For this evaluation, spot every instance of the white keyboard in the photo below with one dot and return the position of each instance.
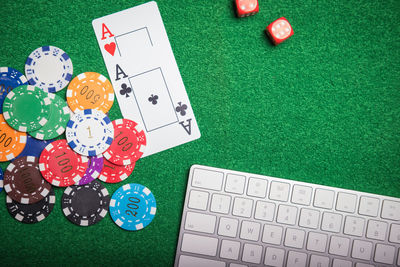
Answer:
(237, 219)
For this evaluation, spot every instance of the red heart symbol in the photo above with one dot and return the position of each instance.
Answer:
(110, 48)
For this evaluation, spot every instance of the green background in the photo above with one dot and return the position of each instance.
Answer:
(323, 107)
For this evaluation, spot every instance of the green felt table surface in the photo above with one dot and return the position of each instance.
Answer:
(323, 107)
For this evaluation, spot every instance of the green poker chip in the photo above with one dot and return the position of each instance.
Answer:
(26, 108)
(59, 117)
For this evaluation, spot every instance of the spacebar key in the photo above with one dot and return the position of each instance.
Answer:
(188, 261)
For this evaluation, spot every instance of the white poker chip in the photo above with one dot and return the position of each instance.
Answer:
(89, 132)
(49, 68)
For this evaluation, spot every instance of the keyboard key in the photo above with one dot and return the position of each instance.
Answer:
(369, 206)
(319, 261)
(242, 207)
(354, 226)
(324, 198)
(287, 214)
(272, 234)
(296, 259)
(391, 210)
(189, 261)
(341, 263)
(346, 202)
(394, 235)
(362, 250)
(331, 222)
(264, 211)
(301, 195)
(250, 231)
(235, 184)
(257, 187)
(384, 254)
(200, 222)
(398, 259)
(339, 246)
(358, 264)
(220, 203)
(230, 249)
(294, 238)
(252, 253)
(198, 200)
(199, 244)
(317, 242)
(279, 191)
(376, 230)
(309, 218)
(228, 227)
(207, 179)
(236, 265)
(274, 257)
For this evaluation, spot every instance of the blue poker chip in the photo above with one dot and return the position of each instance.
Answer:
(34, 147)
(9, 79)
(49, 68)
(1, 179)
(133, 207)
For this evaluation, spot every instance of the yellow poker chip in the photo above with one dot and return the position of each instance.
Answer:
(90, 90)
(12, 142)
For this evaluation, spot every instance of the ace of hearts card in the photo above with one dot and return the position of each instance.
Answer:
(145, 76)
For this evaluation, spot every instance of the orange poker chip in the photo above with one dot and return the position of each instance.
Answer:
(90, 90)
(12, 142)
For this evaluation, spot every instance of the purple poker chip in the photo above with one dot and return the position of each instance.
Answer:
(95, 165)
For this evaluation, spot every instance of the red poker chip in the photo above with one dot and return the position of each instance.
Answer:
(112, 173)
(129, 143)
(60, 165)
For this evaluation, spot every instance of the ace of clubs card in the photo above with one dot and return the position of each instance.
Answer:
(145, 76)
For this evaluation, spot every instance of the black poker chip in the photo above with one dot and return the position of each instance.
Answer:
(31, 213)
(85, 205)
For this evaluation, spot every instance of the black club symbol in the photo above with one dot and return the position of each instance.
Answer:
(153, 99)
(181, 108)
(125, 90)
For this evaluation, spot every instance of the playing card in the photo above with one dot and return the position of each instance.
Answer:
(145, 76)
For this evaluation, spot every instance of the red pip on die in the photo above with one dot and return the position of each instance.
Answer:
(246, 8)
(279, 30)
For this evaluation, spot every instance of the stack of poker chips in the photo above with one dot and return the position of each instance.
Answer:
(71, 144)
